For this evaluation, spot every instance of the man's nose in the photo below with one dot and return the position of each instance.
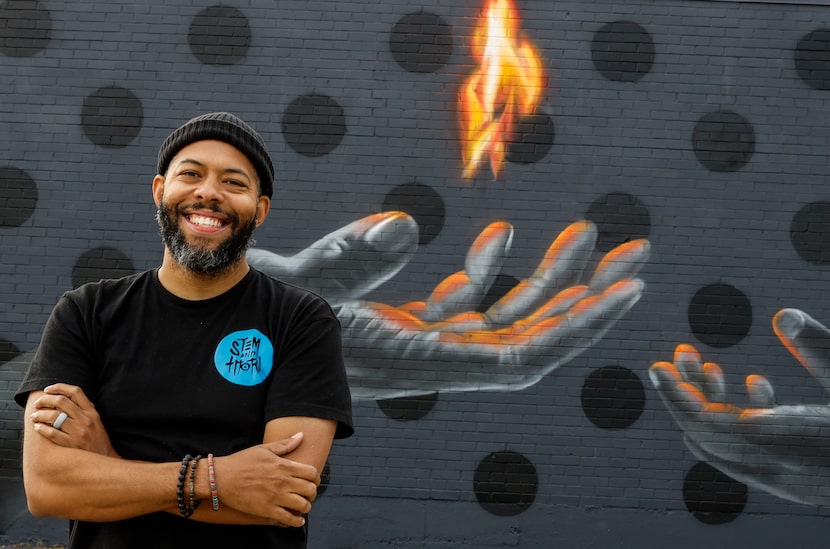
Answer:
(209, 188)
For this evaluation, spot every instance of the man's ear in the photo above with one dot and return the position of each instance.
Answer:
(263, 206)
(158, 189)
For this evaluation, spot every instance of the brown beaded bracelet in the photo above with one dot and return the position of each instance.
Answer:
(214, 495)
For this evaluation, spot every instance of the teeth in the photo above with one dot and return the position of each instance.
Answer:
(203, 221)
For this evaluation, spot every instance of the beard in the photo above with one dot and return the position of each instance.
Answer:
(203, 258)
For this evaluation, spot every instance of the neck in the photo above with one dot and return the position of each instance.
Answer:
(194, 286)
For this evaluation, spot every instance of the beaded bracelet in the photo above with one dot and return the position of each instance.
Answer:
(183, 509)
(214, 495)
(194, 503)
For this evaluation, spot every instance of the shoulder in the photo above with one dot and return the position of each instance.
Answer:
(109, 288)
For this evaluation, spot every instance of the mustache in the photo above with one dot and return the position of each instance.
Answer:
(181, 209)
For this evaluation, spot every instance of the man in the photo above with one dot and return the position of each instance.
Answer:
(202, 381)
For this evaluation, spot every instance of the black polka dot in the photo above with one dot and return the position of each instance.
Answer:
(112, 117)
(619, 218)
(8, 350)
(98, 263)
(500, 288)
(613, 397)
(531, 140)
(421, 42)
(408, 408)
(314, 125)
(423, 204)
(810, 233)
(505, 483)
(713, 497)
(622, 51)
(812, 59)
(25, 27)
(720, 315)
(219, 35)
(723, 141)
(18, 197)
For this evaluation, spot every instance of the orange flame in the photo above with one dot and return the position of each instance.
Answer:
(506, 86)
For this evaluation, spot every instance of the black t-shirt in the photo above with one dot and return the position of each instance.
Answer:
(171, 377)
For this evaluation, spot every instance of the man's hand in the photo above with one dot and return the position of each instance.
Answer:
(442, 343)
(783, 450)
(82, 429)
(258, 482)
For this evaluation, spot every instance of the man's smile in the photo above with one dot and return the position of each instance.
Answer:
(205, 221)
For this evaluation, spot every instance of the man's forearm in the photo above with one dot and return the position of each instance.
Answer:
(81, 485)
(64, 477)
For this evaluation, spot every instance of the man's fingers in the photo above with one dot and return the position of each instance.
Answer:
(61, 403)
(286, 519)
(55, 436)
(286, 445)
(71, 392)
(49, 416)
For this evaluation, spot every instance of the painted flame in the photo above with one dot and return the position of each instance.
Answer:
(506, 86)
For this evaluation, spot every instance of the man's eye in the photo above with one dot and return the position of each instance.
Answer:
(236, 183)
(190, 173)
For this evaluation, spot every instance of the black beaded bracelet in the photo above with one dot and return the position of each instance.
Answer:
(194, 503)
(183, 509)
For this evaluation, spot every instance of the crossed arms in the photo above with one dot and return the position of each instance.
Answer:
(75, 473)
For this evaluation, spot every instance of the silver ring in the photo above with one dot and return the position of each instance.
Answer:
(59, 422)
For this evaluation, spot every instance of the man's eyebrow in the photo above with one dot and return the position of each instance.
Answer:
(226, 170)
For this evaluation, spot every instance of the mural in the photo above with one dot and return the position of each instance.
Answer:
(685, 180)
(441, 344)
(782, 449)
(505, 87)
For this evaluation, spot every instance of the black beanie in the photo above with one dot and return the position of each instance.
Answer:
(221, 126)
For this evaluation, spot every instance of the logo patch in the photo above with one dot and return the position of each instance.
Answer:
(244, 357)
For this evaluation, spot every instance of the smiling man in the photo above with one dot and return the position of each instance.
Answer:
(185, 162)
(201, 381)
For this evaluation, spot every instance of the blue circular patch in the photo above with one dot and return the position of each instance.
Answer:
(244, 357)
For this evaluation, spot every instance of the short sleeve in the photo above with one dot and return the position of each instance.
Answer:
(310, 376)
(64, 354)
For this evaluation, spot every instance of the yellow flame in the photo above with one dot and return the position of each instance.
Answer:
(506, 86)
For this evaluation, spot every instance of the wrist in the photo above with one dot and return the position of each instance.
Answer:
(202, 482)
(186, 496)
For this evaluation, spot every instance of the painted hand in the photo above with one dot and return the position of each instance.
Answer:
(350, 262)
(783, 450)
(442, 343)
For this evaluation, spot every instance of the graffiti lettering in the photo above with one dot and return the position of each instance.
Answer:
(244, 356)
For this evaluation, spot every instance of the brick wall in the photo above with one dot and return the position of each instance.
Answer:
(702, 126)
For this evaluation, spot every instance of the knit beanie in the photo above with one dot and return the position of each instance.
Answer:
(221, 126)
